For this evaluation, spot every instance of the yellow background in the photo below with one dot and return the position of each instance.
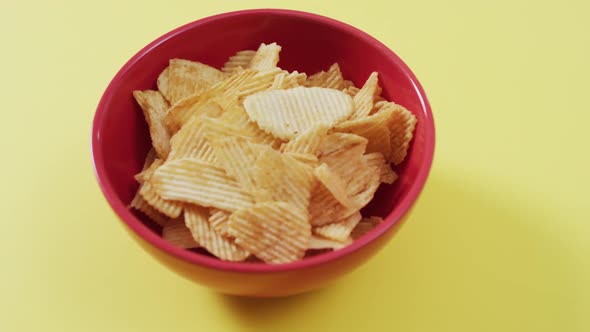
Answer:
(500, 240)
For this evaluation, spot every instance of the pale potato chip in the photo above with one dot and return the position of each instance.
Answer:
(324, 208)
(401, 127)
(377, 160)
(229, 88)
(216, 129)
(286, 113)
(279, 177)
(147, 191)
(151, 156)
(218, 220)
(196, 219)
(190, 140)
(331, 79)
(260, 82)
(186, 78)
(286, 80)
(238, 156)
(364, 226)
(308, 141)
(364, 99)
(375, 128)
(155, 108)
(198, 182)
(339, 230)
(142, 206)
(266, 57)
(238, 117)
(305, 158)
(276, 232)
(318, 242)
(176, 232)
(163, 82)
(239, 61)
(351, 90)
(334, 184)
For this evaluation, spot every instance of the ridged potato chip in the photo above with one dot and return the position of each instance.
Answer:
(139, 204)
(260, 82)
(318, 242)
(375, 128)
(155, 108)
(305, 158)
(186, 78)
(308, 141)
(238, 156)
(218, 220)
(276, 232)
(401, 127)
(266, 57)
(239, 61)
(377, 160)
(331, 79)
(238, 117)
(194, 181)
(147, 191)
(286, 113)
(285, 80)
(364, 99)
(335, 185)
(163, 82)
(176, 232)
(339, 230)
(196, 219)
(364, 226)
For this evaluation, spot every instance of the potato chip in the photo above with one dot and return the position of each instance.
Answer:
(218, 220)
(259, 82)
(365, 226)
(266, 57)
(286, 80)
(194, 181)
(286, 113)
(238, 156)
(176, 232)
(229, 88)
(154, 108)
(190, 140)
(186, 78)
(279, 177)
(238, 117)
(196, 219)
(148, 193)
(351, 90)
(239, 61)
(375, 128)
(364, 99)
(331, 79)
(142, 206)
(308, 141)
(163, 82)
(401, 126)
(339, 230)
(276, 232)
(324, 208)
(318, 242)
(377, 160)
(149, 160)
(334, 184)
(305, 158)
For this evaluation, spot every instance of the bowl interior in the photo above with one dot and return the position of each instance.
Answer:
(309, 43)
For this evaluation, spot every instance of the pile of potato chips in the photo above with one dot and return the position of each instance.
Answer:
(252, 162)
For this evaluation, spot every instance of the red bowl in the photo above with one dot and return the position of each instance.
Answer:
(310, 43)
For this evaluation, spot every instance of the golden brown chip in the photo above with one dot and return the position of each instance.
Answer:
(194, 181)
(286, 113)
(186, 78)
(286, 80)
(238, 156)
(147, 191)
(375, 128)
(266, 57)
(163, 82)
(335, 185)
(196, 219)
(190, 140)
(351, 90)
(331, 79)
(155, 108)
(229, 89)
(218, 220)
(280, 177)
(305, 158)
(149, 160)
(276, 232)
(339, 230)
(364, 226)
(176, 232)
(142, 206)
(386, 174)
(318, 242)
(238, 117)
(259, 82)
(239, 61)
(364, 99)
(401, 127)
(308, 141)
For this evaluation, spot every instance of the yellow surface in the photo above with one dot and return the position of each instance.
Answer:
(500, 240)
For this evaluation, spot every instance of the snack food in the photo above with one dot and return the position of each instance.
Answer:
(256, 163)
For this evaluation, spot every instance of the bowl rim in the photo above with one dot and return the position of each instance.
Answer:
(125, 215)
